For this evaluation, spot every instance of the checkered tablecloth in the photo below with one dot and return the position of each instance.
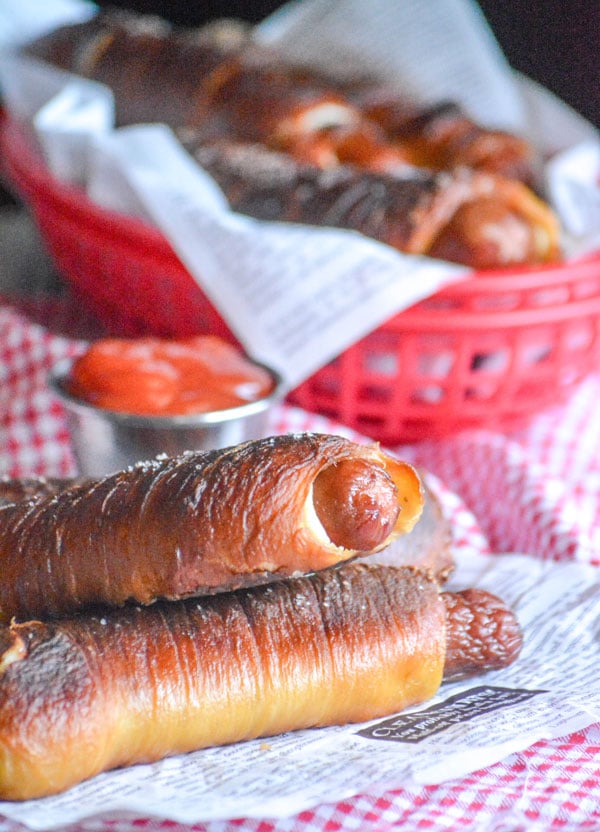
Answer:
(535, 491)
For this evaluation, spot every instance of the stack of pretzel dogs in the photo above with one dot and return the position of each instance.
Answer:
(221, 596)
(288, 143)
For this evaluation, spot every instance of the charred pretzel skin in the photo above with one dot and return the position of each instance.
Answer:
(83, 695)
(22, 489)
(203, 522)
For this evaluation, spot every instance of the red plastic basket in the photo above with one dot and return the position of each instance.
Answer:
(490, 351)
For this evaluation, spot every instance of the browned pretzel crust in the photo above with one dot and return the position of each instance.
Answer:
(83, 695)
(217, 80)
(205, 522)
(461, 215)
(460, 192)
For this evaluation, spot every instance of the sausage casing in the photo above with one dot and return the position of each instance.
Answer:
(86, 694)
(482, 633)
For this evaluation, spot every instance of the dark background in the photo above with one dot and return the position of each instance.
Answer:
(555, 42)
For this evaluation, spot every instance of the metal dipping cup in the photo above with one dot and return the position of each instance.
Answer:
(105, 441)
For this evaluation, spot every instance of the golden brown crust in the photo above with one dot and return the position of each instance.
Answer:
(137, 684)
(504, 225)
(175, 527)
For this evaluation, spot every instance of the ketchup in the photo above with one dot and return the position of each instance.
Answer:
(156, 377)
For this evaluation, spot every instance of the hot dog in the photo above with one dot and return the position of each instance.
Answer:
(206, 522)
(481, 633)
(469, 217)
(218, 80)
(83, 695)
(220, 86)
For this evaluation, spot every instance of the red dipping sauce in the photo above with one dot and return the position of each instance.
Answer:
(156, 377)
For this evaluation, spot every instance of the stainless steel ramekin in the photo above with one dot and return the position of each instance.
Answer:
(105, 440)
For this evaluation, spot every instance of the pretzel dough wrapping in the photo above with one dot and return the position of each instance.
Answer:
(443, 136)
(217, 80)
(21, 489)
(215, 85)
(464, 216)
(83, 695)
(428, 546)
(203, 522)
(154, 69)
(214, 78)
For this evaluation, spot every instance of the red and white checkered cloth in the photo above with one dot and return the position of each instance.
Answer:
(535, 491)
